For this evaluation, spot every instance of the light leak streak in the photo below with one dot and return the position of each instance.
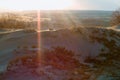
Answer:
(38, 18)
(38, 36)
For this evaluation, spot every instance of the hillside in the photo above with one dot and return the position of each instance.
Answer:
(66, 54)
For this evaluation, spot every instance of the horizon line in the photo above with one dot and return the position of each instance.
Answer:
(8, 10)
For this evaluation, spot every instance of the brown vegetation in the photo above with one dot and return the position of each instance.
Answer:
(59, 58)
(115, 17)
(15, 21)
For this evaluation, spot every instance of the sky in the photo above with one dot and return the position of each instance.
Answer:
(60, 4)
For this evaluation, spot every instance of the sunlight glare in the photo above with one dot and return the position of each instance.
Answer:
(37, 4)
(54, 4)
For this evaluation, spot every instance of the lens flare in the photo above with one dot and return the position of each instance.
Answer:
(38, 36)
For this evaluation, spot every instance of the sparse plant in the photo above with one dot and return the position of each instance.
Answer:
(34, 46)
(115, 17)
(25, 47)
(59, 58)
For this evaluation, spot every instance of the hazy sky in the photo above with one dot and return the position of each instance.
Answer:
(60, 4)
